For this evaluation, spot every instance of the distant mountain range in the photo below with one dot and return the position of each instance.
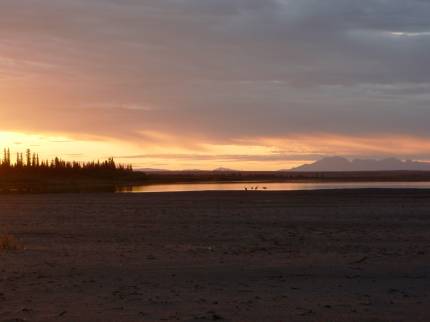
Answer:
(224, 170)
(343, 164)
(151, 170)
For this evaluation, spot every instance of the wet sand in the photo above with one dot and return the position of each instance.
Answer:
(358, 255)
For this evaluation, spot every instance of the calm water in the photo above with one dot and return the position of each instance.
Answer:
(271, 186)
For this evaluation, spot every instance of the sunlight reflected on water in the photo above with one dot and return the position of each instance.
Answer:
(272, 186)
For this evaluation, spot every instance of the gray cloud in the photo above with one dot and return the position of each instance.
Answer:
(222, 69)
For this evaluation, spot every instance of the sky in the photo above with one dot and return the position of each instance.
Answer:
(201, 84)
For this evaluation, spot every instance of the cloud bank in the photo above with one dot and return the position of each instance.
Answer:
(216, 70)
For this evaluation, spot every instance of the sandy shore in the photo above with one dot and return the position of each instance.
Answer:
(227, 256)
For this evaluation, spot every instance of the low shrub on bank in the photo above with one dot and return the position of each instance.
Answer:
(9, 243)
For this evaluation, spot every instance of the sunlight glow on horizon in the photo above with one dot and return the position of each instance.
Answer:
(256, 154)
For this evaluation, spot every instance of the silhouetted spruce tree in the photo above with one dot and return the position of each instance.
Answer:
(33, 165)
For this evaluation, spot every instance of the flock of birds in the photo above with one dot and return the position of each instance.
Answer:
(255, 188)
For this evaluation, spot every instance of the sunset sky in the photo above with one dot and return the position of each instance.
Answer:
(244, 84)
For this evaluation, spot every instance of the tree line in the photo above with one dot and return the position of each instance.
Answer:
(31, 163)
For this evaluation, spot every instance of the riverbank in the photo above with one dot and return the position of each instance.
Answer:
(355, 255)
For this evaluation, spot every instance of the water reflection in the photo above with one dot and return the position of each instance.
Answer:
(273, 186)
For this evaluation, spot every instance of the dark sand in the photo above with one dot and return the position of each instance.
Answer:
(227, 256)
